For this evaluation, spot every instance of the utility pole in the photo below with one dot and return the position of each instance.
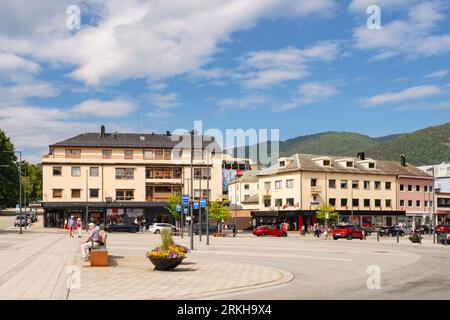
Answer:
(207, 197)
(433, 215)
(87, 198)
(200, 230)
(191, 203)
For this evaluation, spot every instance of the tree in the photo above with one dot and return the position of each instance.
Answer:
(31, 182)
(332, 214)
(173, 201)
(9, 174)
(219, 211)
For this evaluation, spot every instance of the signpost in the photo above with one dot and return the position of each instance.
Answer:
(196, 205)
(202, 203)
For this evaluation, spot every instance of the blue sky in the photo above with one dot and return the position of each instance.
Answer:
(298, 66)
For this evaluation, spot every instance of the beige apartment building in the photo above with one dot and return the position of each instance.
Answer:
(366, 189)
(110, 177)
(243, 192)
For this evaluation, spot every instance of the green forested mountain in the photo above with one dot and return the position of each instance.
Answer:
(425, 146)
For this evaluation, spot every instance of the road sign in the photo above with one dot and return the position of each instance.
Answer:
(203, 203)
(178, 208)
(196, 205)
(185, 200)
(185, 210)
(188, 218)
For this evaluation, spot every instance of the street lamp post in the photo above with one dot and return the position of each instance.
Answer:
(20, 187)
(207, 197)
(191, 203)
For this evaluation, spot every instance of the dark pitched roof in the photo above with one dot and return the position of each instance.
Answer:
(136, 140)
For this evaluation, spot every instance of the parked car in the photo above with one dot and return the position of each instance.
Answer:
(269, 230)
(122, 227)
(442, 228)
(392, 231)
(347, 231)
(158, 227)
(23, 219)
(425, 228)
(212, 228)
(382, 231)
(32, 216)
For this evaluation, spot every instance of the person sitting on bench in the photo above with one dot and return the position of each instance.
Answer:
(92, 241)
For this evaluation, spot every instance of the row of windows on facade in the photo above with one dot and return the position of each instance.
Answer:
(355, 202)
(128, 194)
(344, 185)
(128, 173)
(152, 154)
(331, 202)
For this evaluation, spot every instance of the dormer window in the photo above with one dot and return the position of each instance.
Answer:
(282, 163)
(371, 165)
(349, 164)
(326, 163)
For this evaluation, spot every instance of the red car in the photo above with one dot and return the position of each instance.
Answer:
(442, 228)
(347, 231)
(269, 230)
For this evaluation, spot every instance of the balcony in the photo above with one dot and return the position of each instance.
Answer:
(316, 190)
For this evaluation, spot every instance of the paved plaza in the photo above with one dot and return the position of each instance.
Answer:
(37, 265)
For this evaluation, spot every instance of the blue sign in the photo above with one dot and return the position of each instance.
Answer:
(203, 203)
(185, 200)
(178, 208)
(185, 210)
(196, 205)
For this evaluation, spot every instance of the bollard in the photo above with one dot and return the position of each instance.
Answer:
(420, 237)
(378, 236)
(445, 241)
(398, 236)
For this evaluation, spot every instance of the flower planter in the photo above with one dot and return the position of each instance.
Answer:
(414, 239)
(165, 264)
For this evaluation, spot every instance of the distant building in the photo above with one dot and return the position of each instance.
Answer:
(243, 192)
(441, 174)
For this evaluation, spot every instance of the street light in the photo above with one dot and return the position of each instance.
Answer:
(20, 186)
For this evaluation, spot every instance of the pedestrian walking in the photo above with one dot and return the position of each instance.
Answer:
(72, 225)
(79, 227)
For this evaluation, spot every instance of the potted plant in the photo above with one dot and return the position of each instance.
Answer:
(414, 237)
(168, 255)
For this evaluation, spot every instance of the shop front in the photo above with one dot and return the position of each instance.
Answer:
(104, 213)
(296, 219)
(367, 218)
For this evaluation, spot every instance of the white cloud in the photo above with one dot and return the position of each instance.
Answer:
(412, 37)
(360, 6)
(437, 74)
(413, 93)
(180, 35)
(309, 93)
(13, 63)
(164, 101)
(110, 109)
(265, 68)
(424, 106)
(243, 103)
(25, 88)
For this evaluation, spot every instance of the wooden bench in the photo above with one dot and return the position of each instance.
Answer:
(99, 255)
